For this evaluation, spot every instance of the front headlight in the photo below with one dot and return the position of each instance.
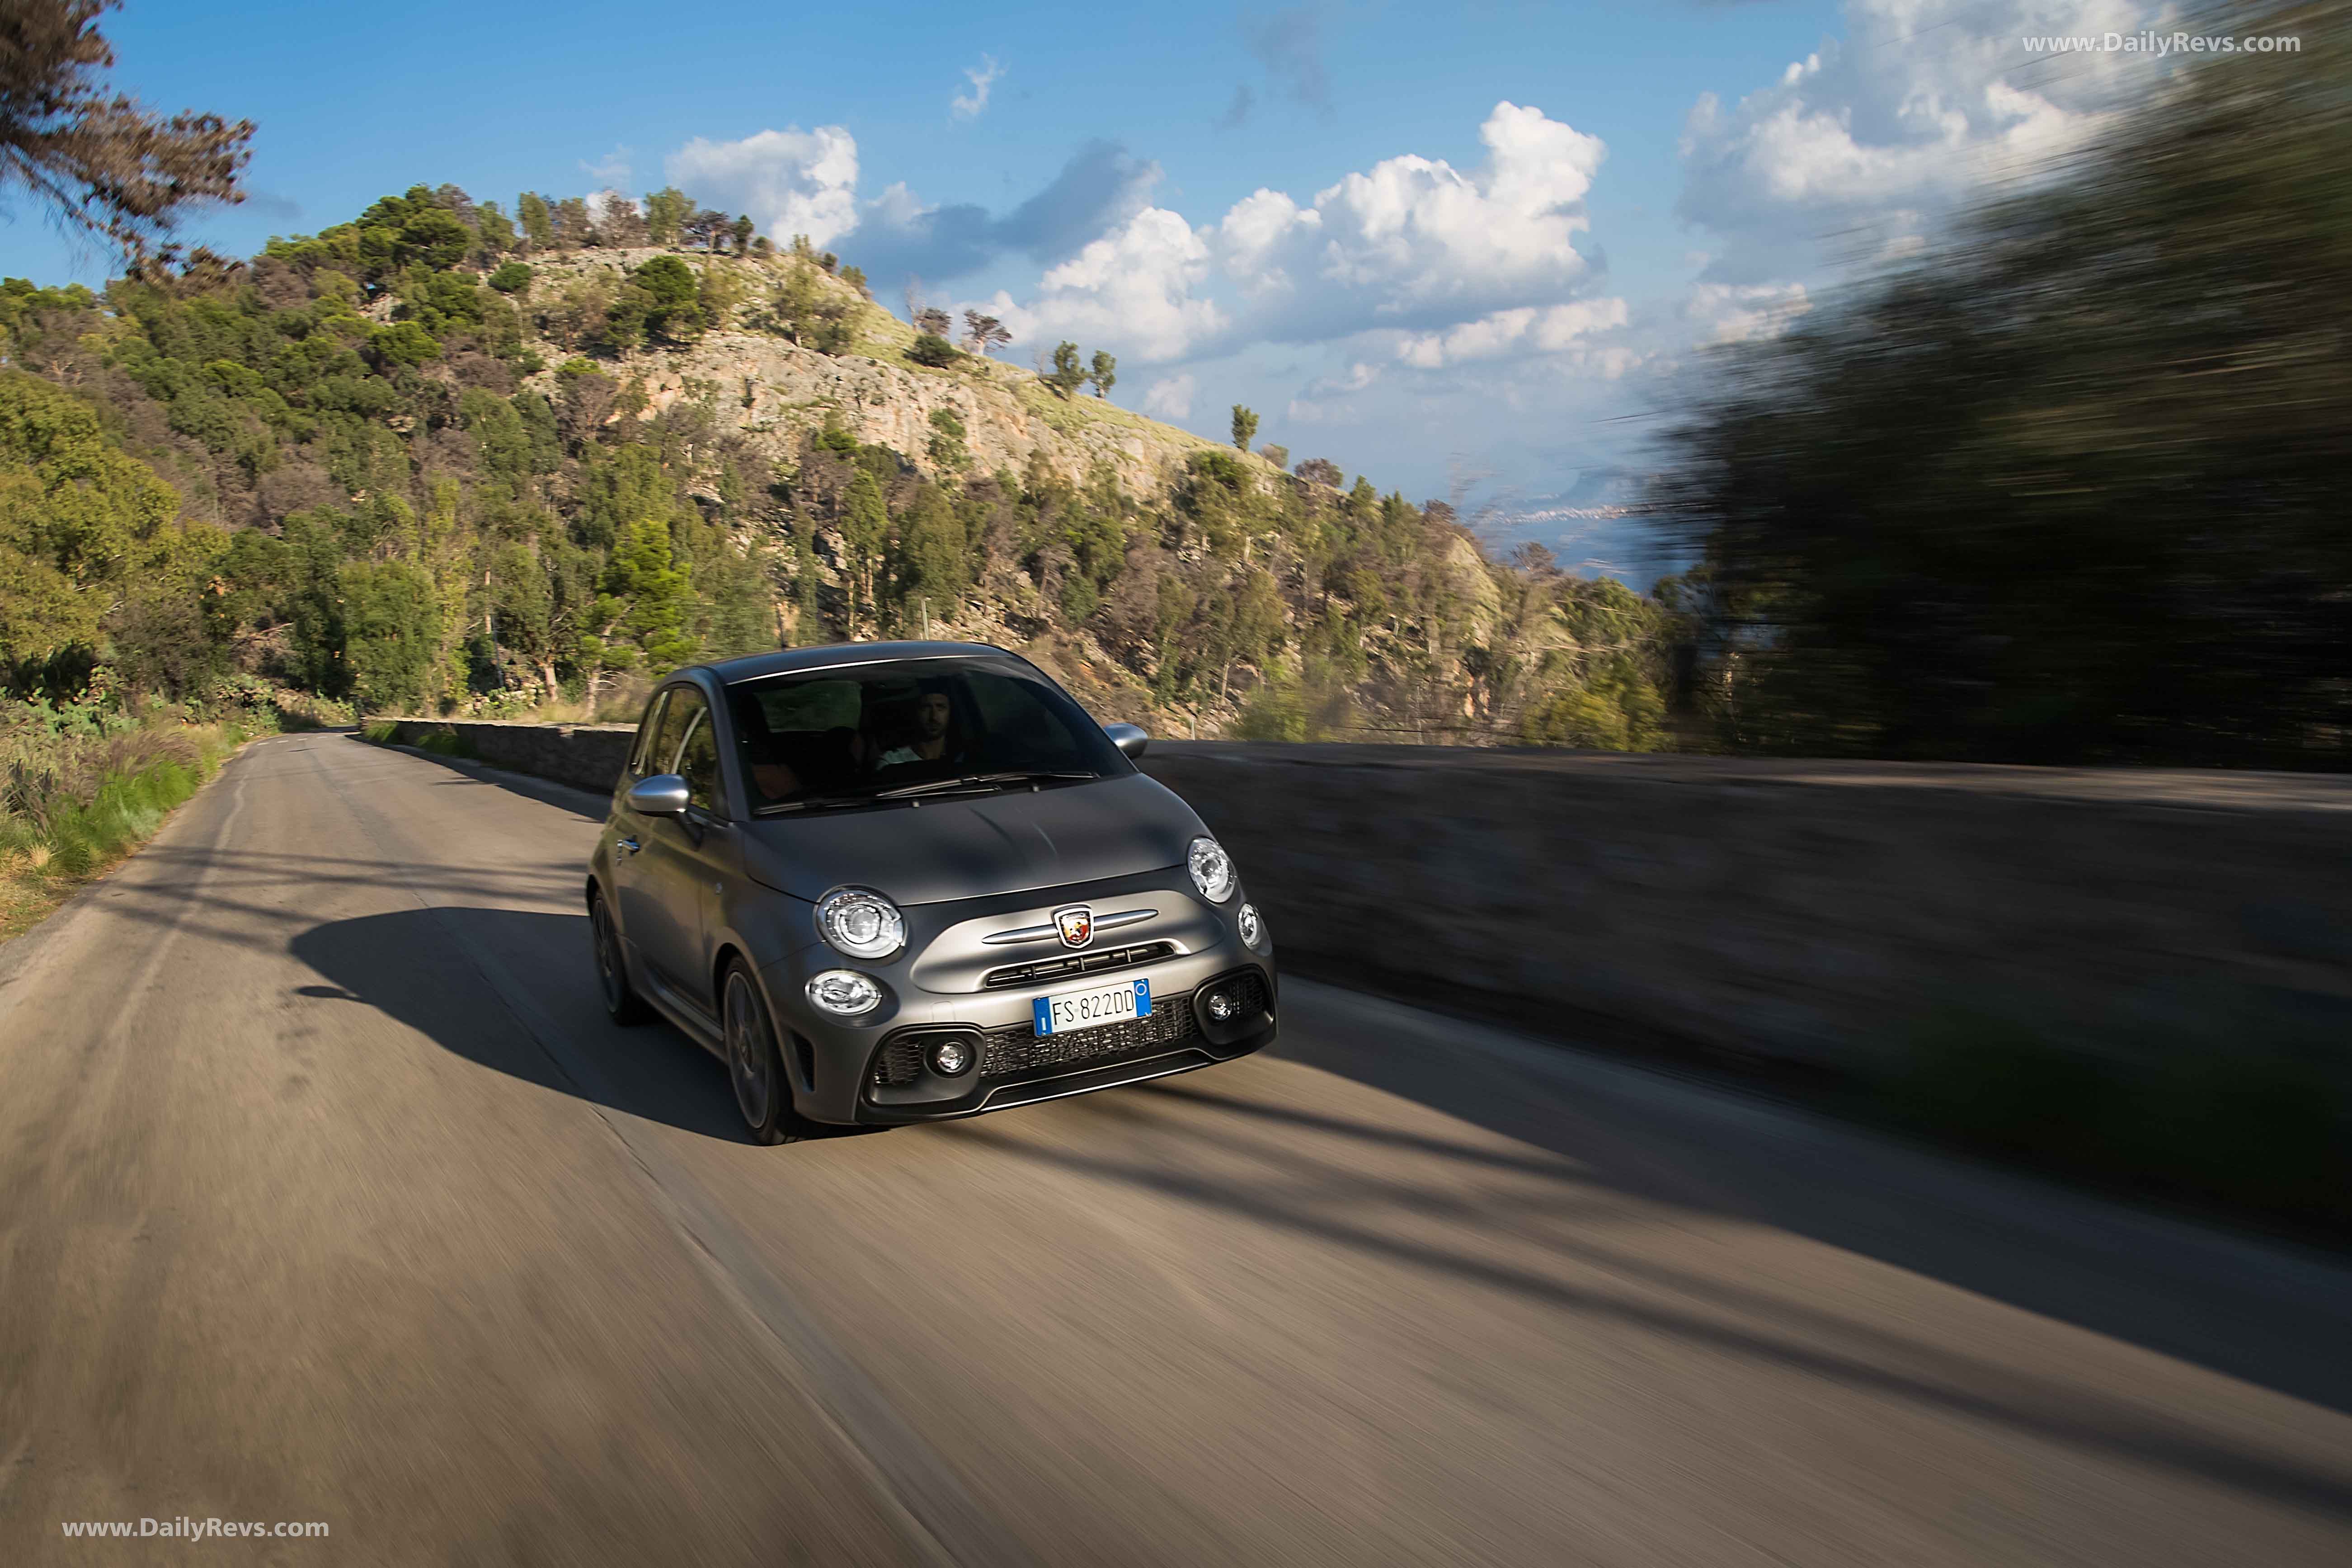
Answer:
(1211, 869)
(861, 922)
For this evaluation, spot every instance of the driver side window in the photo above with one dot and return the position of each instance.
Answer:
(697, 762)
(641, 756)
(683, 706)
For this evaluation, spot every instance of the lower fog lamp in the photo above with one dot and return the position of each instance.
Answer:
(951, 1055)
(844, 992)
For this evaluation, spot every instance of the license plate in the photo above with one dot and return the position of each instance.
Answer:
(1063, 1012)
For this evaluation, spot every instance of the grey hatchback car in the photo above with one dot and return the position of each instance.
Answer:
(893, 882)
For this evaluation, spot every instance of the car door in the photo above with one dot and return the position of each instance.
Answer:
(684, 861)
(646, 919)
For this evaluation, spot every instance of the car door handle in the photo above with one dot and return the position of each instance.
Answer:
(628, 846)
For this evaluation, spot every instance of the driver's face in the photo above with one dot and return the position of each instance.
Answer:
(932, 715)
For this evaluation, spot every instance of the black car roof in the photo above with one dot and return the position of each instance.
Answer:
(753, 667)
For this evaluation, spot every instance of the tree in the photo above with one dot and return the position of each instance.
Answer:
(82, 522)
(674, 310)
(1278, 455)
(983, 333)
(742, 231)
(391, 632)
(1104, 373)
(103, 165)
(1068, 375)
(1244, 427)
(511, 278)
(667, 211)
(1319, 471)
(537, 223)
(931, 319)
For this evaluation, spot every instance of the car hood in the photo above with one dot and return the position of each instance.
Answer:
(965, 847)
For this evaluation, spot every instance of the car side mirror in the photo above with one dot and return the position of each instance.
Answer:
(662, 794)
(1130, 739)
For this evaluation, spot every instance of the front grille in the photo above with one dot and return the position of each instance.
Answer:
(1018, 1048)
(1078, 963)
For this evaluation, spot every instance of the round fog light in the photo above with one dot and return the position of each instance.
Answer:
(1222, 1005)
(951, 1056)
(844, 992)
(1251, 926)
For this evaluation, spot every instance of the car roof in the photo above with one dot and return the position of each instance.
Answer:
(753, 667)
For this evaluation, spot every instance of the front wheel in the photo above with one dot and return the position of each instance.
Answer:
(756, 1066)
(621, 998)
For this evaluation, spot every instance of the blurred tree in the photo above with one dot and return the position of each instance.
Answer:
(931, 319)
(102, 164)
(2068, 489)
(667, 211)
(982, 334)
(1319, 471)
(1104, 373)
(929, 349)
(742, 234)
(1244, 427)
(1068, 375)
(537, 223)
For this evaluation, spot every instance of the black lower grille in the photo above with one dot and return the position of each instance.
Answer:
(1249, 990)
(899, 1063)
(1078, 963)
(1018, 1048)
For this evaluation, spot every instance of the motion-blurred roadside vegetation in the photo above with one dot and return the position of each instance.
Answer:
(83, 784)
(2068, 487)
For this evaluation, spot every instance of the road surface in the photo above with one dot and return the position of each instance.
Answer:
(330, 1194)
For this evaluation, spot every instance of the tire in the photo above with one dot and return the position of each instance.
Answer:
(754, 1065)
(621, 998)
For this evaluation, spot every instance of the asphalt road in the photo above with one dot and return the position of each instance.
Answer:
(328, 1194)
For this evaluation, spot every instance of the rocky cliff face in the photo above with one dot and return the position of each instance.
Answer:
(773, 391)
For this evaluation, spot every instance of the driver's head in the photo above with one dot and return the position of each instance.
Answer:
(933, 710)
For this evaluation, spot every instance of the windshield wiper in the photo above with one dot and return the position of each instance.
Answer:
(981, 781)
(818, 803)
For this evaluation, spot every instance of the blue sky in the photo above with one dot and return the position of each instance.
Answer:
(1537, 216)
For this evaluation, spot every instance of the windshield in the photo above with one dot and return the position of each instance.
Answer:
(875, 731)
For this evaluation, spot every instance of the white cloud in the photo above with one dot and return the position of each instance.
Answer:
(1415, 241)
(1171, 397)
(1516, 330)
(1858, 147)
(1411, 244)
(790, 181)
(1133, 287)
(1739, 313)
(610, 172)
(984, 76)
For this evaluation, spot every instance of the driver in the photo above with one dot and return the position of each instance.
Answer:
(934, 727)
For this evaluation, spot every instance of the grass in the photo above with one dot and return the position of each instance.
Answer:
(441, 740)
(79, 792)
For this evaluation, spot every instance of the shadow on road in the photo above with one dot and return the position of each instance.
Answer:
(420, 966)
(584, 803)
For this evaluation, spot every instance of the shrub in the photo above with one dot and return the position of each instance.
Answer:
(514, 277)
(934, 351)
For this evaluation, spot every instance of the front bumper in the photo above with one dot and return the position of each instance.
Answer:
(875, 1070)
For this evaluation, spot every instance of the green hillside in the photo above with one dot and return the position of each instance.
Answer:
(440, 460)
